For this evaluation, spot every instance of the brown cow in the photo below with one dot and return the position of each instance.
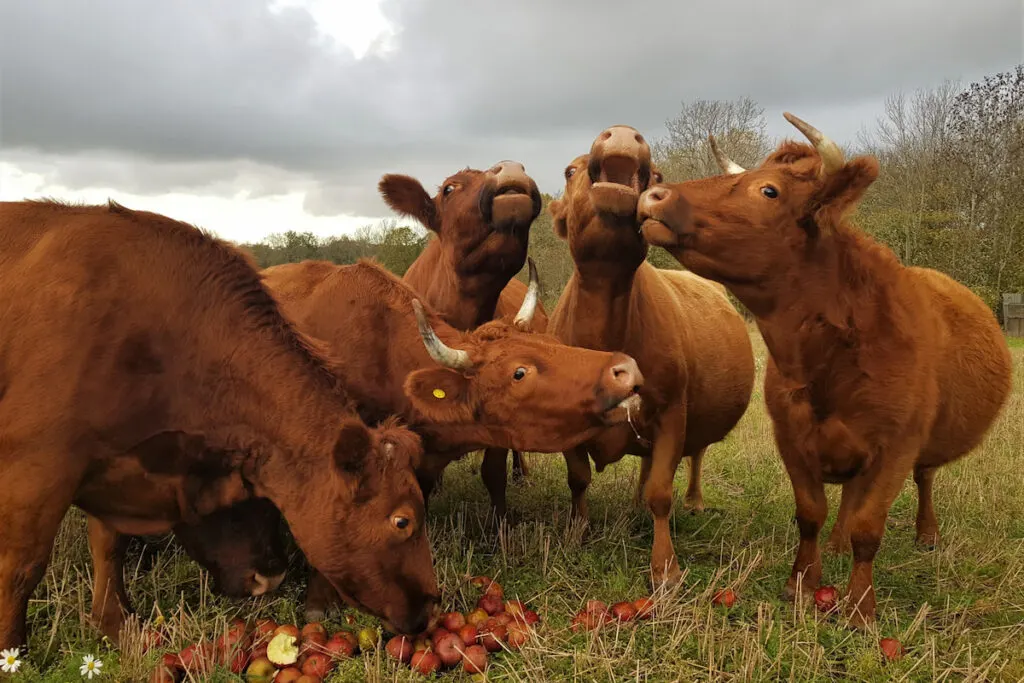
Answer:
(482, 221)
(461, 391)
(689, 341)
(242, 546)
(877, 369)
(148, 377)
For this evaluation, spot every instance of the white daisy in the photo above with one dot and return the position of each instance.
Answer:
(9, 661)
(91, 666)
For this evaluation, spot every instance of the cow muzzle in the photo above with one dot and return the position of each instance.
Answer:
(618, 390)
(619, 170)
(511, 198)
(263, 585)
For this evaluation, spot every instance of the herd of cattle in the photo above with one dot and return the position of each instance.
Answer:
(152, 376)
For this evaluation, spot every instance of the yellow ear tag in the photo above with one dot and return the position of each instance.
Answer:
(439, 393)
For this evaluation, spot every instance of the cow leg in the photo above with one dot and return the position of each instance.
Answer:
(641, 480)
(665, 459)
(519, 469)
(494, 472)
(577, 461)
(839, 539)
(110, 601)
(811, 510)
(927, 524)
(320, 597)
(429, 474)
(31, 515)
(873, 493)
(694, 494)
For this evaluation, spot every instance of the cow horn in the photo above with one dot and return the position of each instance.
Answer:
(526, 312)
(724, 162)
(456, 359)
(831, 155)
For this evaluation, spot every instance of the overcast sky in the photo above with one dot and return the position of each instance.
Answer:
(251, 117)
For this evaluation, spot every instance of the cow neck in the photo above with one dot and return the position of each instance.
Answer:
(602, 303)
(842, 294)
(464, 302)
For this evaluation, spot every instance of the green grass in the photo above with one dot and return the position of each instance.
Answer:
(958, 609)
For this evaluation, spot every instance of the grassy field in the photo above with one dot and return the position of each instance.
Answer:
(958, 609)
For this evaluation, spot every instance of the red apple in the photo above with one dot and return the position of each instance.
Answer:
(589, 621)
(481, 581)
(624, 611)
(825, 598)
(503, 618)
(197, 658)
(151, 638)
(170, 661)
(891, 648)
(290, 629)
(449, 649)
(474, 660)
(477, 617)
(644, 608)
(317, 664)
(288, 675)
(596, 606)
(162, 675)
(265, 628)
(453, 621)
(518, 634)
(307, 678)
(495, 589)
(400, 647)
(726, 597)
(492, 636)
(530, 617)
(425, 662)
(238, 661)
(515, 608)
(469, 634)
(313, 627)
(437, 635)
(490, 603)
(341, 647)
(314, 642)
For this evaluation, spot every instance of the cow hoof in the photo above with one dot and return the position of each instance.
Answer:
(694, 506)
(315, 615)
(927, 542)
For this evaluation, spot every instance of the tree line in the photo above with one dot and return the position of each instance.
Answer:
(949, 195)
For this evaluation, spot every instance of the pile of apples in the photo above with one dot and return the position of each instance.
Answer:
(468, 639)
(597, 614)
(267, 652)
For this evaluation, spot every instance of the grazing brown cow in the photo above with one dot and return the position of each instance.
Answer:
(242, 546)
(148, 377)
(494, 385)
(482, 221)
(689, 341)
(877, 369)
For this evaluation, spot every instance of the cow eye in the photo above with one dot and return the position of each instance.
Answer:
(519, 374)
(448, 189)
(400, 522)
(569, 172)
(769, 192)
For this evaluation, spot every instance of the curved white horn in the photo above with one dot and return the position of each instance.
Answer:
(831, 155)
(526, 312)
(724, 162)
(456, 359)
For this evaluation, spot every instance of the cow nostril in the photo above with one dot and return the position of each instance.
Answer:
(639, 138)
(658, 194)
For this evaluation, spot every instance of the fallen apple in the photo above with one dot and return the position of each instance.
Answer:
(400, 648)
(518, 634)
(317, 664)
(368, 639)
(437, 635)
(490, 603)
(515, 608)
(596, 606)
(503, 618)
(481, 581)
(425, 662)
(314, 642)
(341, 647)
(260, 670)
(495, 588)
(290, 629)
(474, 659)
(453, 621)
(307, 678)
(825, 598)
(265, 628)
(162, 675)
(151, 638)
(891, 648)
(477, 617)
(449, 649)
(237, 661)
(492, 636)
(724, 597)
(644, 608)
(313, 627)
(288, 675)
(589, 621)
(623, 611)
(259, 650)
(422, 643)
(283, 649)
(469, 634)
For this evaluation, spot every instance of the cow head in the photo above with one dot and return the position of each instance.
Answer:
(482, 218)
(242, 546)
(751, 230)
(597, 212)
(361, 523)
(519, 389)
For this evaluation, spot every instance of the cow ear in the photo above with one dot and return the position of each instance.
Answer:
(405, 195)
(842, 190)
(440, 395)
(557, 211)
(353, 449)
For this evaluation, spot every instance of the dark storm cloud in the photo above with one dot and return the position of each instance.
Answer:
(195, 94)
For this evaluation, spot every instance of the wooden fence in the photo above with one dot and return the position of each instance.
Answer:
(1013, 314)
